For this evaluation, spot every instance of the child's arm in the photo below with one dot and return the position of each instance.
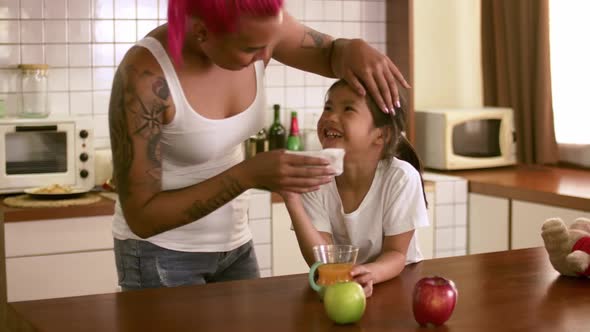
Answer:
(307, 235)
(388, 264)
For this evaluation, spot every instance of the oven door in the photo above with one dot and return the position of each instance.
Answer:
(36, 155)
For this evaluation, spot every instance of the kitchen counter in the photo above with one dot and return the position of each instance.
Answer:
(514, 290)
(11, 214)
(556, 186)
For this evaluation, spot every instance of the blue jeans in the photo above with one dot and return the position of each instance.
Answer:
(141, 264)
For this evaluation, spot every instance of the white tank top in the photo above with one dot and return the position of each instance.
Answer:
(195, 148)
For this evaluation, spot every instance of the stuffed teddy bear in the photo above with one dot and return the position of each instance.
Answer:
(568, 247)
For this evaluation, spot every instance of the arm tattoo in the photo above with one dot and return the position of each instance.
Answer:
(122, 147)
(229, 190)
(313, 39)
(134, 115)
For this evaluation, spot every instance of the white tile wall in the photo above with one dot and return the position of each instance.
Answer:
(450, 214)
(84, 40)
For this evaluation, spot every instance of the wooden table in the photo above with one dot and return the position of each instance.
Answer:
(505, 291)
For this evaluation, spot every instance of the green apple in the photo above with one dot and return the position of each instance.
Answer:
(345, 302)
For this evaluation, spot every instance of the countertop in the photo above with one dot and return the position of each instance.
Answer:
(514, 290)
(103, 207)
(556, 186)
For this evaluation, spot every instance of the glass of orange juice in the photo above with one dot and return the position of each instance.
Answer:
(333, 264)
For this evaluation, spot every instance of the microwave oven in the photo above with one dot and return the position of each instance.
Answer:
(455, 139)
(41, 152)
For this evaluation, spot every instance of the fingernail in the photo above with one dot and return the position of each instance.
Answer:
(392, 110)
(385, 109)
(398, 104)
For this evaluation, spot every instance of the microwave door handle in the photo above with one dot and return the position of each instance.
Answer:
(36, 128)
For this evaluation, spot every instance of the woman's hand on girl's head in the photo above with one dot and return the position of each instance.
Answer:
(357, 62)
(279, 171)
(364, 277)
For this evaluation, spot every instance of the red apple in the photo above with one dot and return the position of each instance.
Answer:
(434, 300)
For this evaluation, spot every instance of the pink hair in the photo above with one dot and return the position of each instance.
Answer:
(219, 16)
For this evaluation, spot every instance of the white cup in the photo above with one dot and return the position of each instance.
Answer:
(334, 155)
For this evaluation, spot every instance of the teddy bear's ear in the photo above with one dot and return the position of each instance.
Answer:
(551, 222)
(582, 224)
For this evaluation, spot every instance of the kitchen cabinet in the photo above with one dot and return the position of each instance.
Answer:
(259, 216)
(488, 223)
(59, 258)
(286, 256)
(528, 218)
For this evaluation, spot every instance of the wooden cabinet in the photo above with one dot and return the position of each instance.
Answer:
(528, 218)
(59, 258)
(488, 223)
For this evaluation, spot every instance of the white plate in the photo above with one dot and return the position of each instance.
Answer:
(34, 192)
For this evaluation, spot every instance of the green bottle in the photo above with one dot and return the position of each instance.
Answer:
(294, 139)
(277, 134)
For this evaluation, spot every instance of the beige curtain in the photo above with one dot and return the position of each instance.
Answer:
(516, 72)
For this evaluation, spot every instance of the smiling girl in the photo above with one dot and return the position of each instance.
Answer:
(377, 202)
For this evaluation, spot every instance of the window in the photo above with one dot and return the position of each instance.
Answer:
(570, 69)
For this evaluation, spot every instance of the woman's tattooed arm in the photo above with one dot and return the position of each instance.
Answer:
(135, 123)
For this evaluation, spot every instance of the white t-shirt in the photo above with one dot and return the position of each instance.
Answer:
(393, 205)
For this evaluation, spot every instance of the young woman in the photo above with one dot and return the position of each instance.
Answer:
(183, 100)
(377, 202)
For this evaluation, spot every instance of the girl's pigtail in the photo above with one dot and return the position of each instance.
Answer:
(177, 11)
(405, 151)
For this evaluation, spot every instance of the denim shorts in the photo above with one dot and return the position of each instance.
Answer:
(141, 264)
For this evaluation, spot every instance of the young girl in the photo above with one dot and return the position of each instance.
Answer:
(377, 202)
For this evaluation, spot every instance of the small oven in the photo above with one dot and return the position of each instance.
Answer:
(41, 152)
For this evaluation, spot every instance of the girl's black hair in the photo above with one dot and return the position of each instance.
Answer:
(397, 145)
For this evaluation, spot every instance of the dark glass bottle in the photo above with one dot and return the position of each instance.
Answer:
(277, 134)
(261, 141)
(294, 139)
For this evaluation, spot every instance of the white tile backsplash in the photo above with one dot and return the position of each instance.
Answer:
(147, 9)
(56, 55)
(125, 9)
(79, 9)
(126, 31)
(57, 79)
(32, 53)
(333, 10)
(103, 55)
(450, 214)
(55, 31)
(84, 40)
(79, 31)
(79, 55)
(31, 9)
(31, 32)
(9, 56)
(80, 79)
(9, 32)
(103, 31)
(81, 103)
(104, 9)
(55, 9)
(10, 9)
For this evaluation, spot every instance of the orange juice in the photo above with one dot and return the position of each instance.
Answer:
(334, 272)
